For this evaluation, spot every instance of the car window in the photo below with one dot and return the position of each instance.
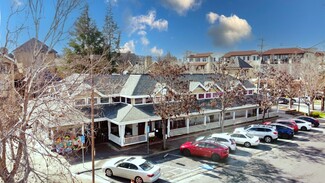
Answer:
(253, 129)
(260, 129)
(200, 144)
(119, 161)
(268, 130)
(241, 136)
(123, 165)
(222, 140)
(133, 167)
(212, 146)
(147, 165)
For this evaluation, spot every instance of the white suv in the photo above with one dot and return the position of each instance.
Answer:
(222, 138)
(266, 132)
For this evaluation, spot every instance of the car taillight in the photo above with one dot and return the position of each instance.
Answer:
(151, 175)
(275, 132)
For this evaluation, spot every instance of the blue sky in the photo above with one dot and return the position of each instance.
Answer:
(155, 27)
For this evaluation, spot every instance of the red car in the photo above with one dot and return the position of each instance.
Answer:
(205, 148)
(289, 123)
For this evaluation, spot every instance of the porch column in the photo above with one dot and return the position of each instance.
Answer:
(109, 129)
(121, 133)
(205, 120)
(168, 128)
(257, 113)
(146, 130)
(187, 125)
(234, 115)
(152, 125)
(219, 119)
(246, 113)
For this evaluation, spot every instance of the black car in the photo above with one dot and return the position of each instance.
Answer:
(313, 121)
(283, 100)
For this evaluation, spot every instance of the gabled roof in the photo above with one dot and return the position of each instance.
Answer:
(284, 51)
(248, 85)
(238, 63)
(241, 53)
(200, 55)
(31, 44)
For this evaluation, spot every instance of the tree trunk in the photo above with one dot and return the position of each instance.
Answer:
(164, 147)
(222, 121)
(322, 104)
(263, 115)
(312, 104)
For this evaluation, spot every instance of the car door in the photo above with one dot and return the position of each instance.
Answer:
(133, 171)
(253, 131)
(199, 149)
(241, 139)
(122, 170)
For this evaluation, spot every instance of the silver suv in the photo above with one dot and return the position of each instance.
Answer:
(266, 132)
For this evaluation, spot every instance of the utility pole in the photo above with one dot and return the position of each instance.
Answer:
(92, 121)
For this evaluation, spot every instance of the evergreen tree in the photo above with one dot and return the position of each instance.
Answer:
(85, 40)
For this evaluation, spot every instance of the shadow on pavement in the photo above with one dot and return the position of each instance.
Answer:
(240, 152)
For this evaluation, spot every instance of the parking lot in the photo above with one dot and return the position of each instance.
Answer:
(301, 159)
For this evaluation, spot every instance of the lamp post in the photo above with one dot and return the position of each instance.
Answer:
(92, 121)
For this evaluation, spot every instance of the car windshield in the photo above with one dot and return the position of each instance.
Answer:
(246, 127)
(147, 165)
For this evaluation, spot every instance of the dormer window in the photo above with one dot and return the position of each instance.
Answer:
(249, 92)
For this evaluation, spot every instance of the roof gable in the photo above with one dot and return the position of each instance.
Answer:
(31, 44)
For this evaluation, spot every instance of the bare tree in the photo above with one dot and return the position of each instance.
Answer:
(230, 88)
(32, 109)
(172, 97)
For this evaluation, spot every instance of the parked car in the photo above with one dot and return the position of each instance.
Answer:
(302, 124)
(132, 168)
(288, 122)
(245, 139)
(284, 131)
(283, 100)
(265, 132)
(222, 138)
(205, 148)
(313, 121)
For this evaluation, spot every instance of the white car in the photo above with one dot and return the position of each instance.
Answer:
(132, 168)
(302, 124)
(265, 132)
(245, 139)
(224, 139)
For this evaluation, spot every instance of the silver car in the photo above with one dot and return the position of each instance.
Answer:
(265, 132)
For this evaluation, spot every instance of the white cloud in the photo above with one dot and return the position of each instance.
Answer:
(157, 52)
(212, 17)
(141, 22)
(17, 3)
(142, 33)
(128, 47)
(144, 40)
(113, 2)
(229, 30)
(182, 6)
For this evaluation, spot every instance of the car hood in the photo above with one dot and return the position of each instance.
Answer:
(187, 144)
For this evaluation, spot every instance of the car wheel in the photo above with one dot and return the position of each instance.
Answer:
(247, 144)
(186, 152)
(304, 128)
(268, 139)
(108, 172)
(215, 157)
(138, 179)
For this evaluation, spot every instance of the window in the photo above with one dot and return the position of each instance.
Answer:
(80, 102)
(208, 95)
(128, 100)
(4, 69)
(123, 99)
(138, 101)
(147, 166)
(215, 95)
(201, 96)
(249, 92)
(116, 99)
(133, 167)
(95, 100)
(212, 146)
(123, 165)
(148, 100)
(104, 100)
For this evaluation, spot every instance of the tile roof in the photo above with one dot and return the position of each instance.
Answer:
(200, 55)
(29, 46)
(241, 53)
(283, 51)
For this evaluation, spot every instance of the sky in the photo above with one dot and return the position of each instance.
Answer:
(156, 27)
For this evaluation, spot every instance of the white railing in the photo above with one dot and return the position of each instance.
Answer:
(115, 139)
(214, 124)
(135, 139)
(177, 131)
(197, 128)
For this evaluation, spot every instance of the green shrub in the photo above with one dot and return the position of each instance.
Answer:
(317, 114)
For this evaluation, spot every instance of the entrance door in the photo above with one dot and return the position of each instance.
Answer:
(102, 132)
